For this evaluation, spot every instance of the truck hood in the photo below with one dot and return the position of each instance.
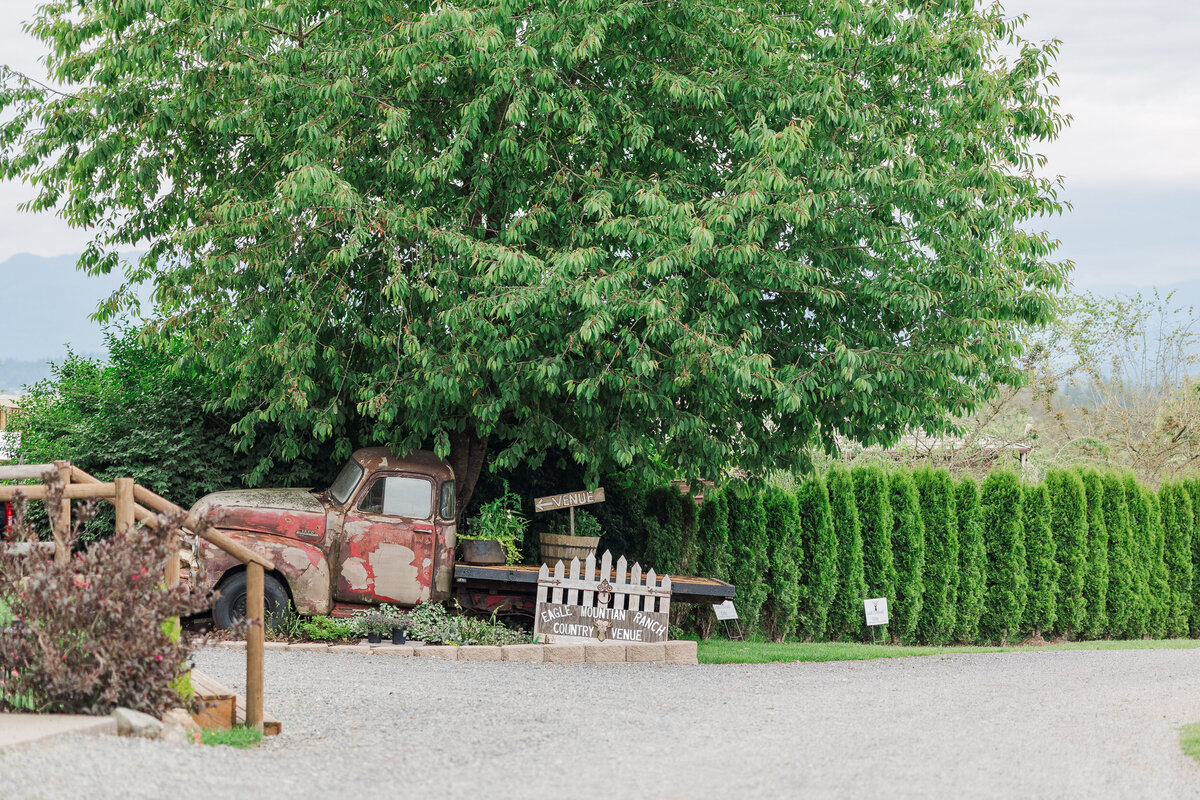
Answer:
(294, 513)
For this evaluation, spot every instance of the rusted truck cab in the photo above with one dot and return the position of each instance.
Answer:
(384, 531)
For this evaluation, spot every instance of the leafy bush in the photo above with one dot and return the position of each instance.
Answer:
(748, 546)
(320, 629)
(939, 608)
(1095, 584)
(783, 575)
(94, 633)
(1159, 582)
(846, 614)
(908, 550)
(1122, 582)
(433, 623)
(1000, 504)
(818, 560)
(875, 521)
(1068, 522)
(1142, 538)
(1193, 489)
(1041, 607)
(972, 560)
(1177, 556)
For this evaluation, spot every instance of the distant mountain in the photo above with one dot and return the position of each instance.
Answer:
(15, 375)
(46, 304)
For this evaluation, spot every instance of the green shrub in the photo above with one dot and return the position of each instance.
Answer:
(748, 548)
(1193, 489)
(1160, 589)
(664, 530)
(1000, 504)
(712, 552)
(972, 561)
(1095, 584)
(1122, 582)
(875, 522)
(783, 576)
(500, 519)
(1041, 569)
(908, 551)
(1142, 571)
(846, 620)
(1068, 522)
(818, 564)
(1177, 521)
(938, 612)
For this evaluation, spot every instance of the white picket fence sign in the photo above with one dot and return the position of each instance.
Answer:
(619, 605)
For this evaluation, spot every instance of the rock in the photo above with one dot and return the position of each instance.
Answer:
(135, 723)
(182, 719)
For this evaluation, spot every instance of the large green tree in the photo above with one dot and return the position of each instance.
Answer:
(655, 236)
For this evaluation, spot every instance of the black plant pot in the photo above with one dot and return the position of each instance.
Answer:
(375, 638)
(399, 635)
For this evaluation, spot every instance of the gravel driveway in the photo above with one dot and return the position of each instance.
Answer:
(1063, 724)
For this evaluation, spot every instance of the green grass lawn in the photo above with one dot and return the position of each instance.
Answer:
(722, 651)
(237, 736)
(1189, 739)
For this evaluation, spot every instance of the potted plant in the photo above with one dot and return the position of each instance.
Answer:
(559, 543)
(399, 631)
(494, 535)
(375, 625)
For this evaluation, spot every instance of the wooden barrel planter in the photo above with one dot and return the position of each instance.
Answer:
(560, 546)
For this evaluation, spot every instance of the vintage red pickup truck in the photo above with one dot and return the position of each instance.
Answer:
(384, 531)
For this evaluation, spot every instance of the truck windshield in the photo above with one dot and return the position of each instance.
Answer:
(347, 479)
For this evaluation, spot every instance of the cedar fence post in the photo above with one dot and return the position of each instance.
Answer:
(62, 530)
(124, 504)
(254, 645)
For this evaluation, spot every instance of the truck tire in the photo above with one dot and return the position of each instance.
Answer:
(231, 605)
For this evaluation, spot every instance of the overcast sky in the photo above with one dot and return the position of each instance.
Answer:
(1130, 77)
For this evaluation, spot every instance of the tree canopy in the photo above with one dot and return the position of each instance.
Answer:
(661, 237)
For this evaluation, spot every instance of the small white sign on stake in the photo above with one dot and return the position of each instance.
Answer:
(876, 611)
(725, 610)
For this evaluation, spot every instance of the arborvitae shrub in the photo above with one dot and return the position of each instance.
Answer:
(936, 491)
(1068, 521)
(1142, 538)
(783, 576)
(664, 530)
(1095, 583)
(1177, 520)
(875, 522)
(712, 556)
(1122, 582)
(819, 568)
(908, 550)
(1000, 504)
(846, 619)
(749, 549)
(1160, 588)
(972, 560)
(1041, 605)
(1193, 488)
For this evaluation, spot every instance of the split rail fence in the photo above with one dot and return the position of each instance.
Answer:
(134, 504)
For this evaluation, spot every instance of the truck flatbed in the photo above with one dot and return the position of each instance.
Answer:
(684, 589)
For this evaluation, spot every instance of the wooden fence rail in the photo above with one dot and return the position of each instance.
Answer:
(134, 503)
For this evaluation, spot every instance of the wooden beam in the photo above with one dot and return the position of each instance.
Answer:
(62, 527)
(254, 645)
(190, 522)
(26, 472)
(76, 491)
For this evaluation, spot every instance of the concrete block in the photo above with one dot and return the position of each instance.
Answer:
(683, 652)
(309, 647)
(135, 723)
(564, 653)
(350, 648)
(647, 652)
(275, 646)
(395, 650)
(523, 652)
(607, 653)
(446, 652)
(481, 652)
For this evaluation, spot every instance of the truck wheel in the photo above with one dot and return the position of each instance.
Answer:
(231, 605)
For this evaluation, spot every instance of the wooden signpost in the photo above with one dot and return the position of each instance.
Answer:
(586, 606)
(557, 502)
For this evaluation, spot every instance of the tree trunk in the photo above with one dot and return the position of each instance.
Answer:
(468, 450)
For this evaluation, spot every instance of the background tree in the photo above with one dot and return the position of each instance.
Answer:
(1095, 585)
(972, 560)
(649, 237)
(1122, 580)
(939, 608)
(1000, 502)
(1068, 523)
(783, 577)
(875, 523)
(908, 549)
(749, 548)
(819, 569)
(846, 618)
(1041, 606)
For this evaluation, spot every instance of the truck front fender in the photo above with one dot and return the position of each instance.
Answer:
(303, 566)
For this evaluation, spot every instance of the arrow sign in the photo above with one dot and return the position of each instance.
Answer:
(556, 502)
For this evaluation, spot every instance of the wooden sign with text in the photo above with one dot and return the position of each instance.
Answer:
(585, 605)
(568, 500)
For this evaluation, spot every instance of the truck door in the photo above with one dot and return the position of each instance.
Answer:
(388, 546)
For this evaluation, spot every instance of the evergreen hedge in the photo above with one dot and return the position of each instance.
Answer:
(749, 554)
(1041, 604)
(1177, 557)
(818, 567)
(1095, 584)
(940, 606)
(1122, 581)
(972, 560)
(1068, 523)
(1000, 503)
(846, 615)
(908, 550)
(875, 523)
(783, 576)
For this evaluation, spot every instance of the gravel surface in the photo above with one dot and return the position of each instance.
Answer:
(1060, 724)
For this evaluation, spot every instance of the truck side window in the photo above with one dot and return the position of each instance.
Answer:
(399, 496)
(447, 500)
